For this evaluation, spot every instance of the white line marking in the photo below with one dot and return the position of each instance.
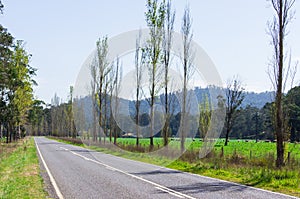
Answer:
(58, 193)
(165, 189)
(110, 168)
(174, 194)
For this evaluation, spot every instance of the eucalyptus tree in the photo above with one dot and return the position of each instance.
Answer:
(17, 89)
(21, 85)
(16, 84)
(6, 50)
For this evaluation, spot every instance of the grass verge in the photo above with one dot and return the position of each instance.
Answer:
(19, 172)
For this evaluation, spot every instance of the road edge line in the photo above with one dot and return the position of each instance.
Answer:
(52, 180)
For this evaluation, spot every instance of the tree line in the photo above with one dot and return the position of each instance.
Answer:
(16, 85)
(258, 123)
(249, 122)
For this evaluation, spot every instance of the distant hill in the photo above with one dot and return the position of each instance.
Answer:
(253, 99)
(258, 99)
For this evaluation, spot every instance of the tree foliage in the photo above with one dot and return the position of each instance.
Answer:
(188, 69)
(234, 98)
(205, 116)
(155, 18)
(166, 46)
(16, 85)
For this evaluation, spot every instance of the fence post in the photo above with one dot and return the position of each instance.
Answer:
(222, 152)
(289, 157)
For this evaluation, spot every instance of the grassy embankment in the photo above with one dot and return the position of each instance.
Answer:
(243, 162)
(19, 171)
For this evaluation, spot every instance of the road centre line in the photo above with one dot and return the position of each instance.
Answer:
(157, 186)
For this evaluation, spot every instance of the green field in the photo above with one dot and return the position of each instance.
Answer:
(244, 148)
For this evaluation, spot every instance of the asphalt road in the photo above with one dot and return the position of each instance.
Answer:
(82, 173)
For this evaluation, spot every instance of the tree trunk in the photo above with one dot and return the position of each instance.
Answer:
(94, 127)
(278, 100)
(228, 118)
(183, 116)
(10, 133)
(1, 130)
(7, 133)
(110, 134)
(166, 126)
(137, 124)
(115, 134)
(19, 131)
(227, 137)
(152, 108)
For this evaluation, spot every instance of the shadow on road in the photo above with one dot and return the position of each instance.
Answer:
(208, 187)
(50, 143)
(196, 188)
(199, 188)
(82, 151)
(157, 172)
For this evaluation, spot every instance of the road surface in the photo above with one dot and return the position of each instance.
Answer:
(80, 173)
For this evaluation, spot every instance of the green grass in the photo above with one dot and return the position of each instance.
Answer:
(247, 149)
(285, 180)
(234, 165)
(19, 173)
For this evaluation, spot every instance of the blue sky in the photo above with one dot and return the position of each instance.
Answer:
(60, 34)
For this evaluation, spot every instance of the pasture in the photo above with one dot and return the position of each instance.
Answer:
(246, 148)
